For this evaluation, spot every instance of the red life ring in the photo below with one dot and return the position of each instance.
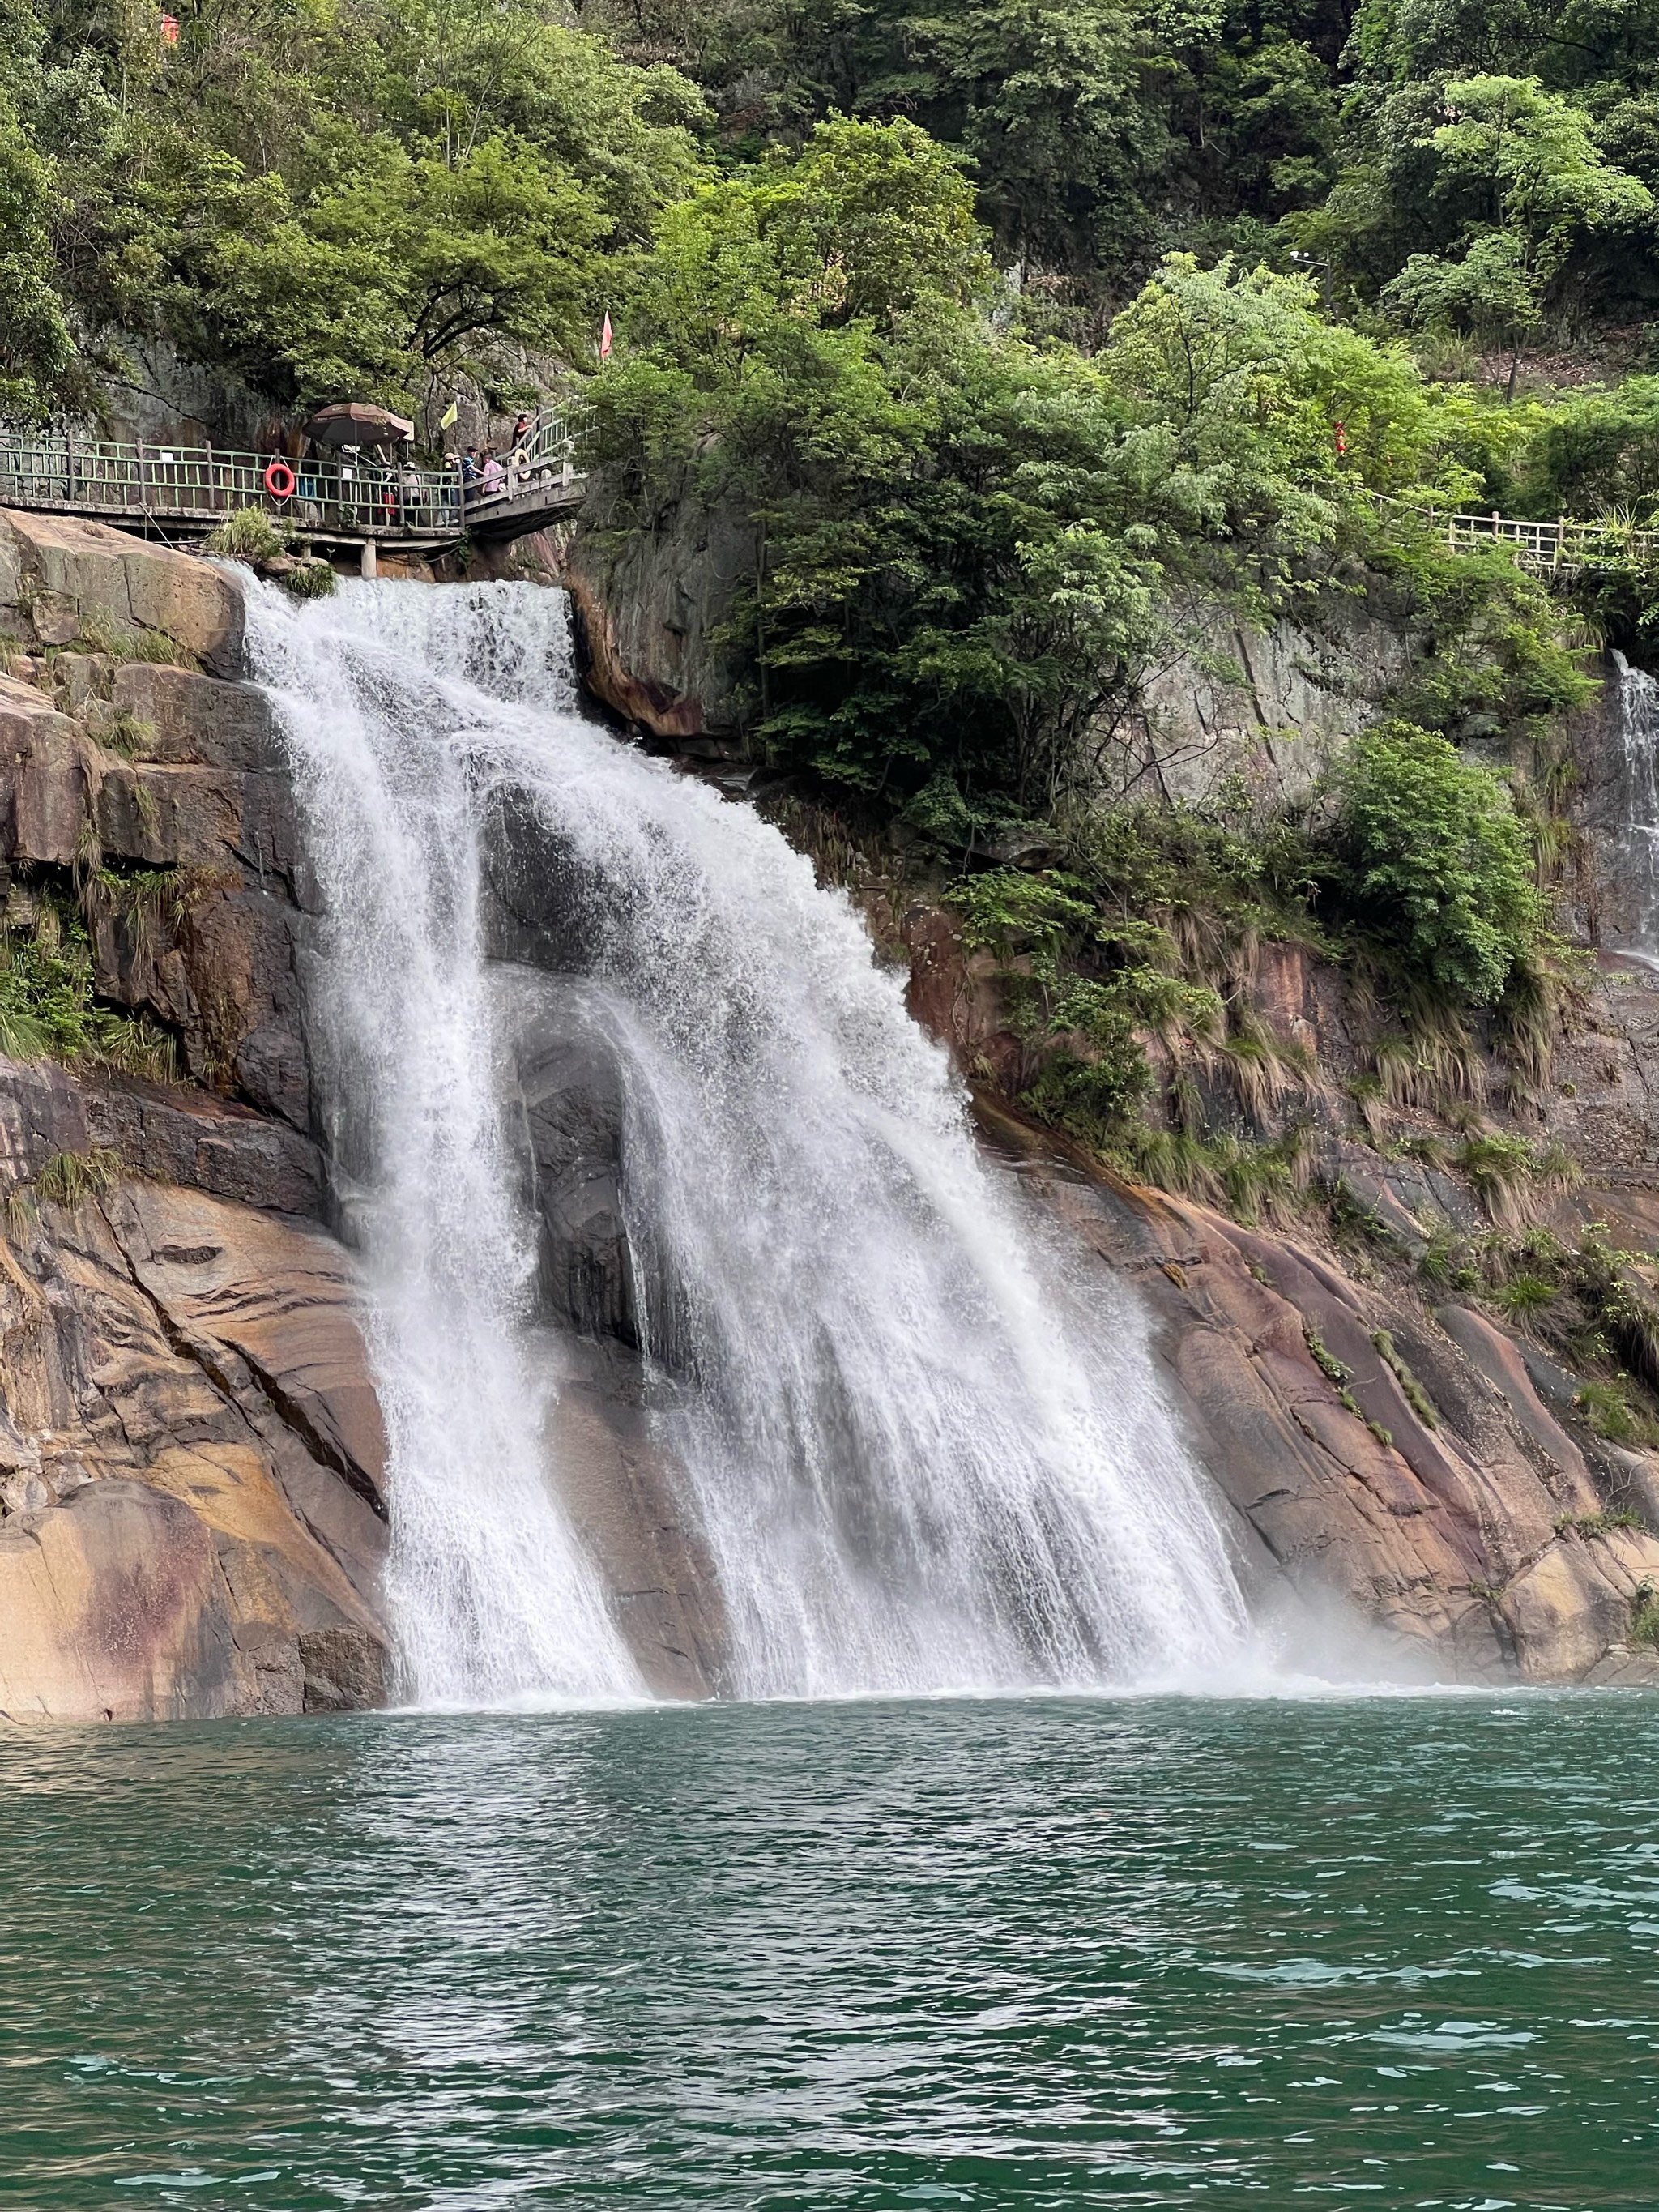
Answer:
(279, 478)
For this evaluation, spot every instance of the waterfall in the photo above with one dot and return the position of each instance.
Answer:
(1639, 724)
(921, 1450)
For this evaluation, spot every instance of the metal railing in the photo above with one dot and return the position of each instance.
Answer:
(353, 495)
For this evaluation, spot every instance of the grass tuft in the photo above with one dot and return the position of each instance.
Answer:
(70, 1178)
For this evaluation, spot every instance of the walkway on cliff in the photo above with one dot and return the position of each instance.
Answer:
(173, 492)
(1562, 548)
(1553, 549)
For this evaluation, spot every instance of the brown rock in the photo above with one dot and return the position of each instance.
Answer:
(1446, 1537)
(185, 818)
(173, 1133)
(195, 720)
(114, 1610)
(187, 1379)
(284, 1297)
(653, 605)
(63, 571)
(621, 1496)
(47, 776)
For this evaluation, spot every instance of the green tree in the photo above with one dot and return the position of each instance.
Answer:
(353, 199)
(35, 346)
(1524, 165)
(1436, 861)
(1598, 450)
(969, 551)
(1239, 372)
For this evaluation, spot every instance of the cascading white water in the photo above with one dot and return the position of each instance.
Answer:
(1638, 723)
(919, 1456)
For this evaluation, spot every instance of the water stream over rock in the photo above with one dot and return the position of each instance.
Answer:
(1639, 724)
(916, 1450)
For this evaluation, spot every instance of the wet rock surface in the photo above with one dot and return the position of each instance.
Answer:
(194, 1456)
(193, 1494)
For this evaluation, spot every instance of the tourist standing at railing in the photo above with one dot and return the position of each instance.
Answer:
(493, 481)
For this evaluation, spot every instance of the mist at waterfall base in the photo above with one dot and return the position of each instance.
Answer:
(922, 1451)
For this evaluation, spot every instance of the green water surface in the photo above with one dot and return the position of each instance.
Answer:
(1361, 1952)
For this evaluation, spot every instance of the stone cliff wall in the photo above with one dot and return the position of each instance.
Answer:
(1387, 1442)
(192, 1479)
(192, 1482)
(192, 1499)
(1440, 1527)
(656, 606)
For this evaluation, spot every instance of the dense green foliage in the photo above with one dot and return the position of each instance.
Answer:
(48, 1006)
(1025, 351)
(331, 199)
(1485, 173)
(1436, 860)
(374, 194)
(972, 546)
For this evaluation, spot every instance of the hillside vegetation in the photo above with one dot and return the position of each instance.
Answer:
(1023, 341)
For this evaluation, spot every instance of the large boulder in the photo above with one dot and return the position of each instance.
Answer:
(566, 1102)
(64, 580)
(654, 607)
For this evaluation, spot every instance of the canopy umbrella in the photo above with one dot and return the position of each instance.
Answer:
(355, 422)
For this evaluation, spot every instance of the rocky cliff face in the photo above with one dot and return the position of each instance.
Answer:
(193, 1487)
(191, 1505)
(193, 1481)
(652, 606)
(1449, 1489)
(1270, 705)
(1387, 1440)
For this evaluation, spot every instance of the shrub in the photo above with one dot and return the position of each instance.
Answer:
(106, 633)
(1436, 862)
(1607, 1409)
(308, 580)
(1597, 451)
(250, 534)
(126, 733)
(47, 1005)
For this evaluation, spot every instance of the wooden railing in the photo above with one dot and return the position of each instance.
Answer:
(1551, 548)
(191, 488)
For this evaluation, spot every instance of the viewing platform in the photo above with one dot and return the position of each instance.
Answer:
(338, 502)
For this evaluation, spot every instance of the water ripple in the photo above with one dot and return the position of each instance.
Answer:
(1025, 1953)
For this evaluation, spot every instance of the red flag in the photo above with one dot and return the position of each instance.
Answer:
(604, 340)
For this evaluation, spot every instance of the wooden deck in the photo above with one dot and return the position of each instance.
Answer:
(183, 492)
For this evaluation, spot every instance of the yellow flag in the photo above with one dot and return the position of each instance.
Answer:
(448, 421)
